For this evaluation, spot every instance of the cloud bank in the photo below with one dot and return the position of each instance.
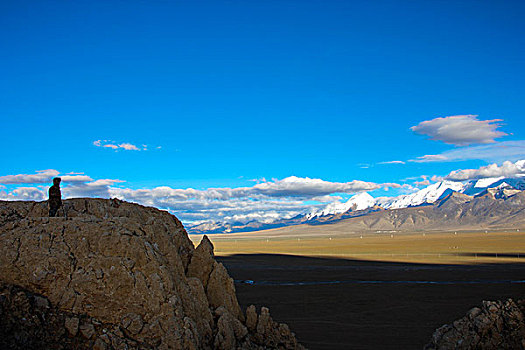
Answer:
(41, 176)
(507, 169)
(264, 201)
(460, 130)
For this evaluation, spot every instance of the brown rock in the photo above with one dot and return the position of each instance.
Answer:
(496, 325)
(239, 330)
(265, 322)
(100, 345)
(200, 312)
(129, 272)
(71, 325)
(132, 323)
(225, 338)
(221, 291)
(202, 261)
(87, 330)
(41, 302)
(251, 318)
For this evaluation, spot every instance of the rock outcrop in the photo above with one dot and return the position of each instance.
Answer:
(496, 325)
(111, 274)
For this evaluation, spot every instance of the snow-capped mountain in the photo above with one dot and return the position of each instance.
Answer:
(427, 195)
(359, 201)
(474, 187)
(364, 200)
(364, 204)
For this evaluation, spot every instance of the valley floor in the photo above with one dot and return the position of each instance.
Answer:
(347, 304)
(386, 290)
(452, 247)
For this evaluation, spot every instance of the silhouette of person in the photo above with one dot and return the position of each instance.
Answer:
(55, 197)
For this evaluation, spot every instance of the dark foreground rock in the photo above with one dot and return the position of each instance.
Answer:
(496, 325)
(110, 274)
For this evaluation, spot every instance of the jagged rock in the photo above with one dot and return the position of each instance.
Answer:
(201, 264)
(100, 345)
(204, 319)
(116, 275)
(496, 325)
(132, 323)
(251, 318)
(71, 325)
(87, 330)
(264, 322)
(221, 291)
(225, 338)
(239, 329)
(41, 303)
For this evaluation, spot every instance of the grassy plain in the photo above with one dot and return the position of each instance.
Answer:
(445, 247)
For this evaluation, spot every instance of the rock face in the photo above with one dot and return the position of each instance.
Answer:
(120, 275)
(496, 325)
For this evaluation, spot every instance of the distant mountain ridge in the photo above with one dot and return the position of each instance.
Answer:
(443, 194)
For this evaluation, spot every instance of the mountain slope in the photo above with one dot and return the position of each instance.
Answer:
(363, 204)
(456, 211)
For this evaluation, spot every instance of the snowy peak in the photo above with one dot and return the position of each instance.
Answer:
(475, 187)
(427, 195)
(359, 201)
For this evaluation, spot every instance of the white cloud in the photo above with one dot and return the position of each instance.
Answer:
(496, 152)
(98, 188)
(24, 194)
(460, 130)
(116, 146)
(129, 147)
(507, 169)
(75, 178)
(430, 158)
(304, 186)
(41, 176)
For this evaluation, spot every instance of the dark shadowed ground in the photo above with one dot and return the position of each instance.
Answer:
(375, 305)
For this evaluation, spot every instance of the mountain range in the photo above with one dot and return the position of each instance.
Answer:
(488, 202)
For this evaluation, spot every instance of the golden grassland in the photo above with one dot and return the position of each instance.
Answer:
(445, 247)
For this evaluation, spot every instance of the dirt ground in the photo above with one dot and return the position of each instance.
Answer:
(454, 247)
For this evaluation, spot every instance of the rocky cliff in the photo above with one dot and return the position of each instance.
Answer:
(496, 325)
(111, 274)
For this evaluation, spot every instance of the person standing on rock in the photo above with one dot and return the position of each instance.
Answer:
(55, 197)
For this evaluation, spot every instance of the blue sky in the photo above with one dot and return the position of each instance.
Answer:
(225, 92)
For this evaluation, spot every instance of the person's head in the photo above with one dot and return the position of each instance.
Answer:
(56, 181)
